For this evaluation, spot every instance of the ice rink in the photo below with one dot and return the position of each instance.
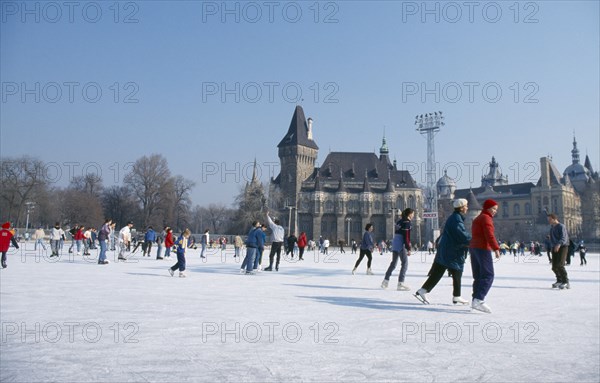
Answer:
(72, 320)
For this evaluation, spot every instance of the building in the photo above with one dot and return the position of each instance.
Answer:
(573, 195)
(349, 190)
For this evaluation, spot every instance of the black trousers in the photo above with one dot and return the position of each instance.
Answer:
(364, 252)
(275, 249)
(437, 272)
(558, 264)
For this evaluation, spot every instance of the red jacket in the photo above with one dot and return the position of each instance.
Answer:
(302, 240)
(6, 237)
(483, 233)
(169, 240)
(79, 235)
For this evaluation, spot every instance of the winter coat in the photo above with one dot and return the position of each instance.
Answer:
(401, 235)
(169, 239)
(237, 242)
(483, 233)
(454, 242)
(367, 242)
(6, 237)
(302, 241)
(150, 235)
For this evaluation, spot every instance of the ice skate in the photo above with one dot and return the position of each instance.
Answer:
(421, 295)
(459, 300)
(354, 271)
(564, 286)
(555, 285)
(403, 287)
(182, 275)
(384, 284)
(369, 271)
(480, 305)
(171, 272)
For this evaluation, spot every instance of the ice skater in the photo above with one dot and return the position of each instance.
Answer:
(400, 249)
(451, 254)
(182, 244)
(559, 241)
(6, 238)
(481, 247)
(366, 249)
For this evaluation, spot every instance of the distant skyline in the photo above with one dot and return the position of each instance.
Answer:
(212, 86)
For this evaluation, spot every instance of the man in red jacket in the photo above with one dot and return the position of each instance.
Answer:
(482, 244)
(6, 237)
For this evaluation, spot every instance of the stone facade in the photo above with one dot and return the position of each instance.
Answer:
(348, 191)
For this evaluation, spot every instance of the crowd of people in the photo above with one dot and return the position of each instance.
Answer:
(451, 248)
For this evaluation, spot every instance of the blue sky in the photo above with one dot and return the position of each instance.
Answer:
(188, 80)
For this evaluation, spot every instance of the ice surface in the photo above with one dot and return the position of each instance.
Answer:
(72, 320)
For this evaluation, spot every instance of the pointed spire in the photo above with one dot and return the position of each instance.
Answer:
(254, 177)
(366, 186)
(472, 200)
(575, 151)
(588, 164)
(297, 133)
(384, 151)
(389, 187)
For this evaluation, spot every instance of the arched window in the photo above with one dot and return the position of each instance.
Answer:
(400, 202)
(504, 209)
(517, 210)
(411, 202)
(527, 208)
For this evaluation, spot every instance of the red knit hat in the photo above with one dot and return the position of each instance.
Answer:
(6, 225)
(488, 203)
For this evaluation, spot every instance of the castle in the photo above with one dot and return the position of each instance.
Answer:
(349, 190)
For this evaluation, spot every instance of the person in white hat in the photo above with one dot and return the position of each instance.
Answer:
(451, 254)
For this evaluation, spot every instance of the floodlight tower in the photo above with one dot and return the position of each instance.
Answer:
(429, 124)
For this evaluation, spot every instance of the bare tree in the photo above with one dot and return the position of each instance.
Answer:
(119, 204)
(90, 184)
(21, 179)
(150, 181)
(182, 201)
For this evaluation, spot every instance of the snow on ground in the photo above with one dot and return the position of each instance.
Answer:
(72, 320)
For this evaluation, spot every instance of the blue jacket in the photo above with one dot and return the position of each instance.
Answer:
(367, 242)
(150, 235)
(454, 243)
(181, 244)
(261, 239)
(253, 239)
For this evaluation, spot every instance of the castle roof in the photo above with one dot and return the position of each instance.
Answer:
(297, 133)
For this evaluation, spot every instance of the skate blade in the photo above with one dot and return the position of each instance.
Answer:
(425, 302)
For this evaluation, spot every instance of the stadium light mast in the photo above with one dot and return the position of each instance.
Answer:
(428, 125)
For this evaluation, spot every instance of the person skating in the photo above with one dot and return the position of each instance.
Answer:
(400, 249)
(301, 245)
(582, 250)
(481, 247)
(366, 249)
(277, 237)
(451, 252)
(182, 244)
(559, 241)
(6, 238)
(252, 242)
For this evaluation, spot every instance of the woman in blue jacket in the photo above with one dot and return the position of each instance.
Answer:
(451, 254)
(366, 248)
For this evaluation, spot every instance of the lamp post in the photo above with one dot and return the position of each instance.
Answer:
(29, 206)
(348, 220)
(289, 207)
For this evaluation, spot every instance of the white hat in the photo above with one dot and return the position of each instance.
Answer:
(459, 203)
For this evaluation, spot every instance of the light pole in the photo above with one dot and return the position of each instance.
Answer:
(29, 205)
(348, 220)
(289, 207)
(394, 210)
(428, 124)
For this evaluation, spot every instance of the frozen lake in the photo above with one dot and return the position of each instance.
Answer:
(72, 320)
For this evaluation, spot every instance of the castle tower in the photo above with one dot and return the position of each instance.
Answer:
(297, 156)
